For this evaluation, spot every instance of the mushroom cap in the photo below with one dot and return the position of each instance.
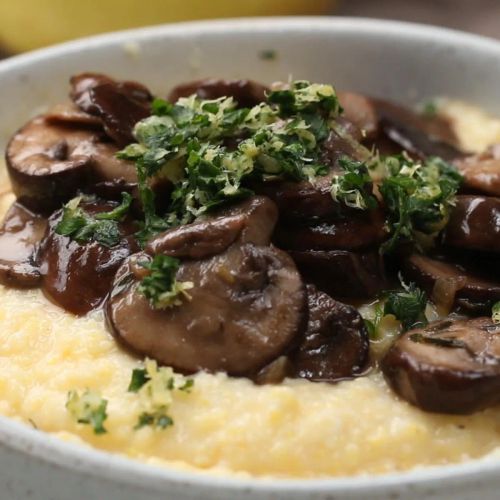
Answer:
(343, 273)
(418, 135)
(481, 172)
(450, 366)
(246, 93)
(350, 230)
(474, 224)
(335, 345)
(44, 167)
(246, 307)
(119, 105)
(78, 276)
(251, 221)
(20, 235)
(474, 288)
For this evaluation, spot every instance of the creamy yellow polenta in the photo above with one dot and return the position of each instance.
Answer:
(225, 425)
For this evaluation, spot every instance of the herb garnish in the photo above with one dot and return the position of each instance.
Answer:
(83, 227)
(418, 197)
(155, 386)
(354, 186)
(186, 142)
(408, 306)
(88, 408)
(161, 287)
(495, 313)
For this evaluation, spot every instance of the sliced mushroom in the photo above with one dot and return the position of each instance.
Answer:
(351, 230)
(304, 200)
(78, 276)
(44, 165)
(342, 273)
(414, 133)
(474, 224)
(69, 114)
(49, 161)
(82, 83)
(481, 172)
(109, 175)
(451, 284)
(246, 306)
(120, 105)
(335, 345)
(20, 235)
(250, 221)
(246, 93)
(360, 110)
(450, 366)
(299, 200)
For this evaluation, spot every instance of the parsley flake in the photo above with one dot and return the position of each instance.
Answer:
(161, 287)
(83, 227)
(88, 408)
(495, 313)
(155, 387)
(408, 306)
(354, 186)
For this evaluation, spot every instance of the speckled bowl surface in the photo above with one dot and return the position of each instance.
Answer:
(403, 62)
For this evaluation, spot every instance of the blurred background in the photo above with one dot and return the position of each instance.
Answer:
(30, 24)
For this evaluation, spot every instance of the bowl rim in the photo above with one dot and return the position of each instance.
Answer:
(95, 462)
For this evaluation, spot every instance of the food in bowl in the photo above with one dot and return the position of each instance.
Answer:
(282, 281)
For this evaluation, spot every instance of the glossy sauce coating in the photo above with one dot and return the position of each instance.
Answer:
(450, 366)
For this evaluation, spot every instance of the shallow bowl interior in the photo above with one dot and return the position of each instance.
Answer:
(403, 62)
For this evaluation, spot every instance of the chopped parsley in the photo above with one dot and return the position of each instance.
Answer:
(88, 408)
(418, 197)
(372, 325)
(354, 186)
(429, 108)
(155, 385)
(187, 142)
(408, 306)
(161, 287)
(83, 227)
(495, 313)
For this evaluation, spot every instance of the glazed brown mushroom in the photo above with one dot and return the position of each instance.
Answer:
(49, 160)
(450, 366)
(335, 345)
(246, 93)
(252, 221)
(418, 135)
(44, 164)
(68, 113)
(343, 273)
(474, 224)
(452, 284)
(299, 200)
(246, 307)
(119, 105)
(360, 110)
(481, 172)
(350, 230)
(20, 235)
(78, 276)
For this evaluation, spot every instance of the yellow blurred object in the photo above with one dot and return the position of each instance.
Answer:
(29, 24)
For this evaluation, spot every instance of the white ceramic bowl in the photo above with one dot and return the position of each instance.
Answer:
(398, 61)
